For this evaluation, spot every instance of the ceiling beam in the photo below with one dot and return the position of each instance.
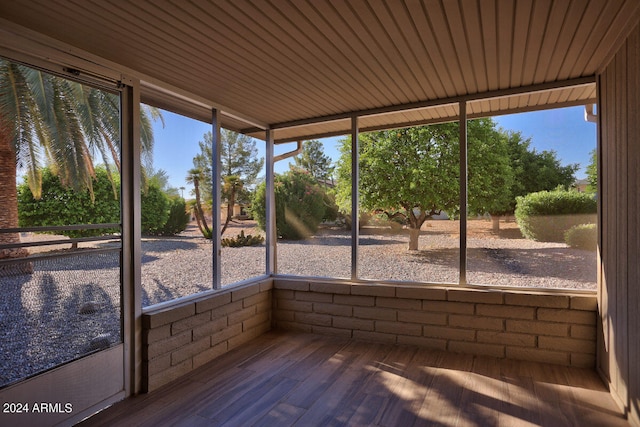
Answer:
(436, 102)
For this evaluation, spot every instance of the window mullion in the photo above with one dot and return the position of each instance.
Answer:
(463, 192)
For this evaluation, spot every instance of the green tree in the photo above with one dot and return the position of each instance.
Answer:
(413, 172)
(533, 171)
(156, 201)
(343, 179)
(299, 204)
(160, 178)
(592, 172)
(536, 171)
(319, 166)
(49, 120)
(240, 167)
(313, 160)
(490, 172)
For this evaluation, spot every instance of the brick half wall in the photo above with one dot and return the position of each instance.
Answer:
(548, 327)
(179, 338)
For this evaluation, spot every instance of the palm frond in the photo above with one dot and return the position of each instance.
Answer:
(64, 124)
(146, 137)
(18, 104)
(68, 146)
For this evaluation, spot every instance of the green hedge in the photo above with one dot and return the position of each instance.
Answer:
(583, 236)
(547, 215)
(154, 210)
(61, 205)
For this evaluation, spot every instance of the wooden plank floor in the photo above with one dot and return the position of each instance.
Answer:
(292, 379)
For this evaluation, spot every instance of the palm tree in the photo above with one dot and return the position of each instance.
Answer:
(194, 176)
(48, 120)
(232, 185)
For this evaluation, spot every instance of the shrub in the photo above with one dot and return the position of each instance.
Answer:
(61, 205)
(299, 205)
(363, 220)
(154, 210)
(242, 240)
(178, 217)
(331, 212)
(546, 215)
(582, 236)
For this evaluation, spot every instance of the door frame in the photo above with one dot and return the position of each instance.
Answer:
(102, 378)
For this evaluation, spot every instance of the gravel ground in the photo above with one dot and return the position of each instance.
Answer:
(499, 262)
(70, 307)
(66, 309)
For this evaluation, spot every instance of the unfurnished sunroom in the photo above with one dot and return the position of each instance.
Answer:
(288, 71)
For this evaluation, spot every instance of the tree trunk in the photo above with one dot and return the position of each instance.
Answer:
(495, 219)
(9, 211)
(414, 235)
(226, 224)
(202, 222)
(196, 214)
(415, 224)
(230, 203)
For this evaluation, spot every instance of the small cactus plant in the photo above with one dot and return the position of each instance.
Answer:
(242, 240)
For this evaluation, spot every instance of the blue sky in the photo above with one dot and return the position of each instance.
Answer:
(563, 130)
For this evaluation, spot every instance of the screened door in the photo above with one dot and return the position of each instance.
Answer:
(61, 333)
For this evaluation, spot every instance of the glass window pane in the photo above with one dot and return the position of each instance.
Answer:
(243, 241)
(541, 157)
(177, 258)
(312, 209)
(409, 201)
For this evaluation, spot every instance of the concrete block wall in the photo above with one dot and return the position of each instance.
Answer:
(186, 335)
(523, 325)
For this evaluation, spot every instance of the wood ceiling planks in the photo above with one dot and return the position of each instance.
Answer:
(279, 61)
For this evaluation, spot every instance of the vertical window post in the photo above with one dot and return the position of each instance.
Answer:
(463, 192)
(270, 208)
(355, 195)
(216, 170)
(131, 236)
